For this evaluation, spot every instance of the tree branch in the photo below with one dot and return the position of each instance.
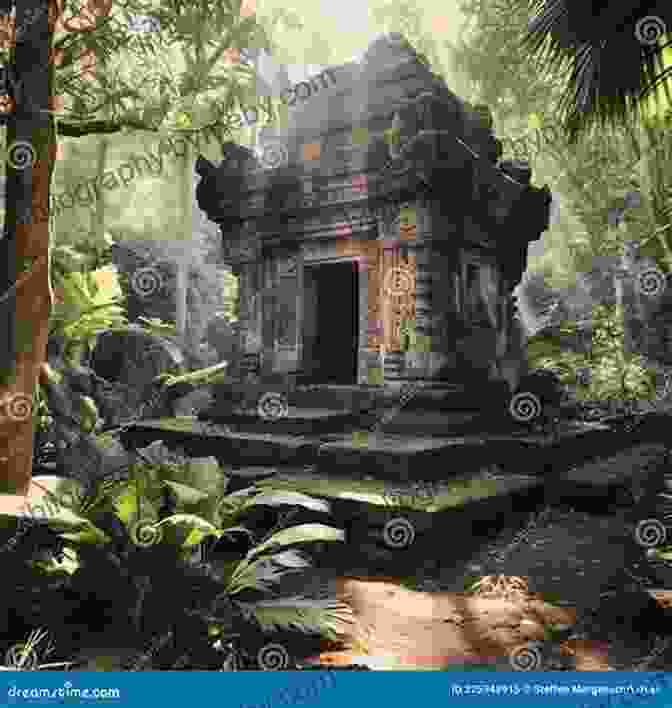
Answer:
(103, 127)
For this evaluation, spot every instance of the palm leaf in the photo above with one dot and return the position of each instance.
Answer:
(65, 522)
(329, 617)
(288, 498)
(185, 494)
(608, 70)
(199, 527)
(303, 533)
(262, 574)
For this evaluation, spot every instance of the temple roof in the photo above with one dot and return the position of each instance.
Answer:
(390, 78)
(445, 147)
(389, 73)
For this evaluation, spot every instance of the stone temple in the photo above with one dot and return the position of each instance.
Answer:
(378, 237)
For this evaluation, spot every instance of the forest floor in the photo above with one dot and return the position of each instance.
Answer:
(567, 564)
(574, 566)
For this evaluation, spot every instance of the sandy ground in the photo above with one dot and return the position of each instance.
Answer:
(569, 562)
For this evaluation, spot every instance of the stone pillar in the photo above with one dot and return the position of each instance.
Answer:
(423, 290)
(250, 307)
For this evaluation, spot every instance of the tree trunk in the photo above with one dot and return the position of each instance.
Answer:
(98, 225)
(184, 235)
(24, 250)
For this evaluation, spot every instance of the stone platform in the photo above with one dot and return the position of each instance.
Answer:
(356, 454)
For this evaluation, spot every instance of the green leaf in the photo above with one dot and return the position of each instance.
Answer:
(126, 502)
(186, 495)
(289, 498)
(261, 574)
(199, 527)
(91, 535)
(59, 520)
(304, 533)
(328, 617)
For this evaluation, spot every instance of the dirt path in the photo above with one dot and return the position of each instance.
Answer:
(569, 560)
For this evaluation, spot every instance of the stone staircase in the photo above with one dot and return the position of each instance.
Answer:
(345, 440)
(405, 407)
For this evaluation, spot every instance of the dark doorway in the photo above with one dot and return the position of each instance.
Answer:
(331, 322)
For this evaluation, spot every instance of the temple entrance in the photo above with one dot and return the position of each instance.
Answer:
(331, 322)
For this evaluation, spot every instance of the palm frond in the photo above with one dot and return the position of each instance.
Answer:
(265, 573)
(607, 69)
(329, 617)
(289, 498)
(303, 533)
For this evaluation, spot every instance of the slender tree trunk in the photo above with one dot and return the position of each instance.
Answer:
(24, 250)
(99, 212)
(184, 235)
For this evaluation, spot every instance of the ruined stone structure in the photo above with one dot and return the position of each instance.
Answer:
(388, 226)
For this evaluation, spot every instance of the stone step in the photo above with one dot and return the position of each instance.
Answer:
(365, 506)
(432, 422)
(388, 456)
(417, 395)
(384, 456)
(248, 396)
(401, 457)
(293, 421)
(203, 439)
